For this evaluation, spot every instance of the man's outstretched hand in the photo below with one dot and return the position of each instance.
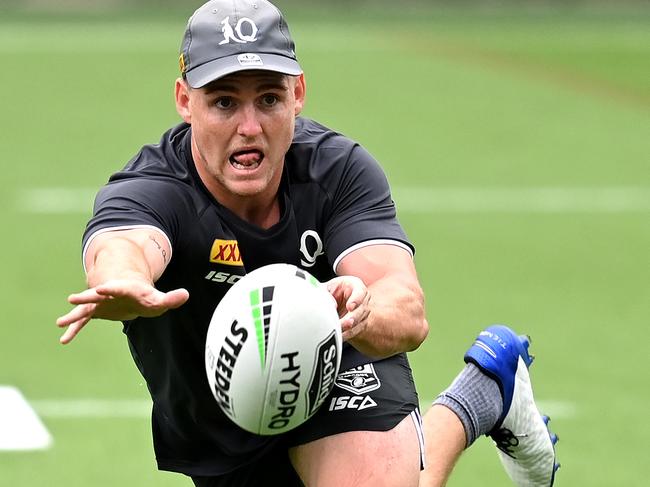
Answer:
(117, 300)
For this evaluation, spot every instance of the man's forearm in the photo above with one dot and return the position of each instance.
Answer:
(397, 321)
(118, 258)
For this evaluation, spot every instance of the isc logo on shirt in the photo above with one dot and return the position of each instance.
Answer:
(225, 252)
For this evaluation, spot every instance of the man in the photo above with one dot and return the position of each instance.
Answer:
(244, 173)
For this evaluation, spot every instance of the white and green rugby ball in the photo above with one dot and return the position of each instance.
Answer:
(273, 349)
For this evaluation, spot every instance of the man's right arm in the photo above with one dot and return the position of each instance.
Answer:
(121, 269)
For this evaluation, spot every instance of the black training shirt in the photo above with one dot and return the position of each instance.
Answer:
(334, 197)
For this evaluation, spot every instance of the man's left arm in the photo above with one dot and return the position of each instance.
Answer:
(381, 303)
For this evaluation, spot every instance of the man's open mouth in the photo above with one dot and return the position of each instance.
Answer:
(246, 159)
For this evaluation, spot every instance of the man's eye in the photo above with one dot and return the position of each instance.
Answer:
(269, 100)
(224, 102)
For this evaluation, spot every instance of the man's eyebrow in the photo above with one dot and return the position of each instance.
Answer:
(273, 85)
(212, 87)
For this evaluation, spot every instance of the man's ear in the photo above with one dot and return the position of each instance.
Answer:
(300, 92)
(182, 95)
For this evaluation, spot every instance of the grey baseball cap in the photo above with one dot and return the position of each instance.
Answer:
(226, 36)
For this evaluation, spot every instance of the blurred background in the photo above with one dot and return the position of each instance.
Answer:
(516, 136)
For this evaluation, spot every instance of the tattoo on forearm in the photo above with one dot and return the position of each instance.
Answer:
(163, 252)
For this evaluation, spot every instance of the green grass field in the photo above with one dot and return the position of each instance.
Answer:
(518, 148)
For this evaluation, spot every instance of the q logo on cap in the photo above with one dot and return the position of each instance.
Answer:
(236, 34)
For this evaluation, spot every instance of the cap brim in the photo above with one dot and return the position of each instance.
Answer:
(208, 72)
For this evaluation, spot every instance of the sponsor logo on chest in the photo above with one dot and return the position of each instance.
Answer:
(226, 252)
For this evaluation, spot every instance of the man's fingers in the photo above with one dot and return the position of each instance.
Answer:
(143, 295)
(72, 330)
(75, 314)
(157, 302)
(87, 296)
(354, 318)
(358, 295)
(117, 302)
(347, 324)
(349, 291)
(177, 297)
(123, 289)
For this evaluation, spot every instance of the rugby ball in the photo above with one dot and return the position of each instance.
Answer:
(273, 349)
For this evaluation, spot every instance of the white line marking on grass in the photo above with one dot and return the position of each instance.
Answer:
(55, 200)
(557, 409)
(522, 200)
(20, 426)
(549, 200)
(93, 408)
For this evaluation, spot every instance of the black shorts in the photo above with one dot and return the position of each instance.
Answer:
(371, 397)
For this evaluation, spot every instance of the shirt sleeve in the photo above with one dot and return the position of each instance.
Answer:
(134, 203)
(363, 211)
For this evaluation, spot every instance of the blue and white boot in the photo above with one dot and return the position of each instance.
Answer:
(526, 445)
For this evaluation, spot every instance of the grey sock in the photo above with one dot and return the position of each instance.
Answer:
(476, 400)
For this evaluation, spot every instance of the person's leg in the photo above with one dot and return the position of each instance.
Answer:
(367, 434)
(493, 396)
(469, 407)
(444, 438)
(361, 458)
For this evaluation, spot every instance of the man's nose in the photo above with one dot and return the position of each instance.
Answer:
(249, 124)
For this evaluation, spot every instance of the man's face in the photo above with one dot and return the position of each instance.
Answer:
(242, 126)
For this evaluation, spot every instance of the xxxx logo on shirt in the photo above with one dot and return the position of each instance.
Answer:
(226, 252)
